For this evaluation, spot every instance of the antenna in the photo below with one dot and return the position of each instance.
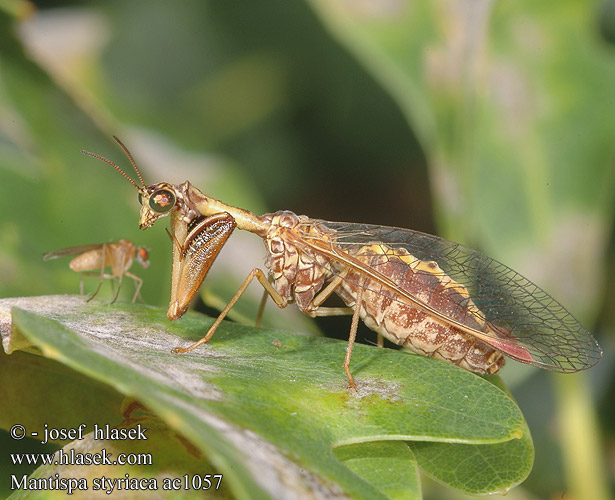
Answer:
(109, 162)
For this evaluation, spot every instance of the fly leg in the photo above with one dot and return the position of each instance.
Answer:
(121, 273)
(138, 282)
(105, 276)
(280, 301)
(102, 272)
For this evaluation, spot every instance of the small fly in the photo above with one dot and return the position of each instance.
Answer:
(118, 255)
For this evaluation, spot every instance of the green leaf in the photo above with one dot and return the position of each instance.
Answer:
(25, 385)
(477, 469)
(271, 404)
(388, 465)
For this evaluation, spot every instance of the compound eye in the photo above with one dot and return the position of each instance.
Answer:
(162, 201)
(143, 253)
(143, 257)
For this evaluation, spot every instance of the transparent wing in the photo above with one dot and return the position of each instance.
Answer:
(71, 251)
(525, 322)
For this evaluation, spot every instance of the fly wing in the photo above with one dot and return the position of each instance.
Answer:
(522, 320)
(193, 258)
(64, 252)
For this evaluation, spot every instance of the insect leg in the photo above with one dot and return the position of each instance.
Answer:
(315, 308)
(173, 239)
(351, 338)
(280, 301)
(261, 309)
(119, 286)
(102, 271)
(331, 311)
(334, 311)
(138, 282)
(121, 275)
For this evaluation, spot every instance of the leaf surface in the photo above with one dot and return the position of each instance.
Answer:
(270, 407)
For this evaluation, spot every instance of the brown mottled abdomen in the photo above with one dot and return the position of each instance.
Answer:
(411, 327)
(297, 275)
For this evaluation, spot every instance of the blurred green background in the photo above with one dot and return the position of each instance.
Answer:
(489, 123)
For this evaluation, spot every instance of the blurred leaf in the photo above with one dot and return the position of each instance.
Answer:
(28, 380)
(513, 106)
(282, 393)
(53, 202)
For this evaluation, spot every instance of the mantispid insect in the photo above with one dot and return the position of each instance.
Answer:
(436, 297)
